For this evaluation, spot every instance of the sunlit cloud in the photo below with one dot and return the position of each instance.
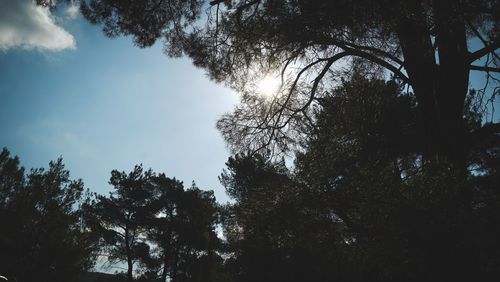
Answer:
(24, 25)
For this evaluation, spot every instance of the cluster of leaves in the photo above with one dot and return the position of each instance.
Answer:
(42, 237)
(278, 229)
(421, 216)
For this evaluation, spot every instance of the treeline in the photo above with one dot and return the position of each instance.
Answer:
(53, 230)
(359, 205)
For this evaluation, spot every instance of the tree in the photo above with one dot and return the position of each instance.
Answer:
(279, 229)
(151, 221)
(43, 237)
(360, 205)
(405, 216)
(182, 230)
(428, 45)
(121, 218)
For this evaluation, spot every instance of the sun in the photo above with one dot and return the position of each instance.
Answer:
(269, 85)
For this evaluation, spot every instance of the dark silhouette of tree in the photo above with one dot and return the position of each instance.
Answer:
(360, 204)
(182, 230)
(411, 219)
(121, 218)
(278, 229)
(43, 237)
(162, 231)
(428, 45)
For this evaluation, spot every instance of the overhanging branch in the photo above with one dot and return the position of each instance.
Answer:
(484, 68)
(481, 38)
(370, 57)
(484, 51)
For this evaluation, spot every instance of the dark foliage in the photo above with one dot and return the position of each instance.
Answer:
(424, 44)
(361, 204)
(42, 234)
(120, 219)
(411, 220)
(278, 229)
(159, 229)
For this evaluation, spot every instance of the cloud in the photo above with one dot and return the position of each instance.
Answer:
(25, 25)
(72, 11)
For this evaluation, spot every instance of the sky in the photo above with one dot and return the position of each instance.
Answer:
(103, 104)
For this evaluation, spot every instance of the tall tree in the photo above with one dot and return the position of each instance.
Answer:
(277, 228)
(121, 218)
(152, 222)
(42, 235)
(405, 216)
(182, 230)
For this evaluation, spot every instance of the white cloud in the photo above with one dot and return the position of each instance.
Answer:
(25, 25)
(72, 11)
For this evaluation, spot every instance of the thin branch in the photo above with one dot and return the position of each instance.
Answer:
(481, 38)
(380, 62)
(318, 79)
(377, 51)
(484, 68)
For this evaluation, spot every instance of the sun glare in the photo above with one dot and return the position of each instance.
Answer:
(269, 85)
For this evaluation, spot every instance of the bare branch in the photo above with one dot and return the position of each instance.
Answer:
(380, 62)
(484, 68)
(377, 51)
(484, 51)
(481, 38)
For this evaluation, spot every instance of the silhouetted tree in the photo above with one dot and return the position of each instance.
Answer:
(278, 229)
(151, 221)
(411, 177)
(121, 218)
(182, 230)
(414, 220)
(361, 205)
(43, 237)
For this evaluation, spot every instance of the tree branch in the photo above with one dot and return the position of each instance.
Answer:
(484, 51)
(380, 62)
(377, 51)
(481, 38)
(484, 68)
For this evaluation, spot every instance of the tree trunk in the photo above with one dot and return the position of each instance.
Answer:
(440, 87)
(416, 45)
(175, 267)
(130, 265)
(165, 271)
(453, 78)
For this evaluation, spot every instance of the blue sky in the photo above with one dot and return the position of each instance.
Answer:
(105, 104)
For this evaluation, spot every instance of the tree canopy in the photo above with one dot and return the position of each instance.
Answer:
(359, 205)
(408, 217)
(162, 231)
(431, 46)
(42, 234)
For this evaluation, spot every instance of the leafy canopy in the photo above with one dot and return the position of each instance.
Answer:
(431, 46)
